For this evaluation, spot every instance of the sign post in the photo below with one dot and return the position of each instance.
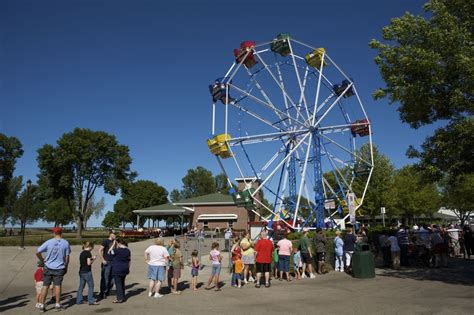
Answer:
(382, 211)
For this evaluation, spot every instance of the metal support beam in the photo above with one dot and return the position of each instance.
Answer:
(318, 187)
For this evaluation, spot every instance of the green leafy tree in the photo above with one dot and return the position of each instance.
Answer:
(138, 195)
(57, 211)
(175, 195)
(13, 191)
(10, 151)
(459, 196)
(111, 220)
(28, 208)
(222, 184)
(427, 62)
(379, 192)
(449, 153)
(198, 182)
(413, 194)
(81, 162)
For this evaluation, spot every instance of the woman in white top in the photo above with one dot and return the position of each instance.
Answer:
(156, 256)
(394, 249)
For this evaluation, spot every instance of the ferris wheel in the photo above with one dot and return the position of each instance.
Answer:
(289, 123)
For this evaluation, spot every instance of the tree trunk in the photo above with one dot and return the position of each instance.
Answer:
(80, 226)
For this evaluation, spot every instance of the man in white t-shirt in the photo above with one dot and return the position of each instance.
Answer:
(156, 256)
(453, 234)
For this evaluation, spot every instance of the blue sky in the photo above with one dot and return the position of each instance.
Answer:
(140, 70)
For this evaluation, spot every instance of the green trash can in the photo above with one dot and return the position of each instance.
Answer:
(363, 262)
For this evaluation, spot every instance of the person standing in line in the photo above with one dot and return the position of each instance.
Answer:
(170, 249)
(56, 253)
(227, 238)
(306, 254)
(177, 260)
(39, 283)
(248, 257)
(297, 262)
(338, 251)
(194, 269)
(320, 244)
(106, 281)
(349, 243)
(394, 249)
(121, 258)
(85, 274)
(216, 258)
(263, 258)
(403, 243)
(468, 242)
(156, 256)
(285, 247)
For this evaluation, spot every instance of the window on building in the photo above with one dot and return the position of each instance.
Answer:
(206, 224)
(231, 224)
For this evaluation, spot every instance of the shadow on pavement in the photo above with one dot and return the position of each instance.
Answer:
(459, 271)
(13, 302)
(134, 292)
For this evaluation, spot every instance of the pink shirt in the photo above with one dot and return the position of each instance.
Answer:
(284, 247)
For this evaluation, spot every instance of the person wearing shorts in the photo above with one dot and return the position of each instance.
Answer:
(216, 258)
(54, 254)
(306, 255)
(177, 260)
(263, 258)
(156, 256)
(320, 244)
(285, 247)
(248, 257)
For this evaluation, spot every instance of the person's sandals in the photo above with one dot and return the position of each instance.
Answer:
(257, 285)
(267, 285)
(208, 288)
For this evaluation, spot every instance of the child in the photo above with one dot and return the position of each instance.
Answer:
(194, 268)
(177, 266)
(216, 258)
(236, 275)
(39, 282)
(297, 262)
(275, 260)
(85, 274)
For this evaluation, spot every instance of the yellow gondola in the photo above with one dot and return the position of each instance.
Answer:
(314, 58)
(218, 145)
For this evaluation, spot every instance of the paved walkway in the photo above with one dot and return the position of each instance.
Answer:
(410, 291)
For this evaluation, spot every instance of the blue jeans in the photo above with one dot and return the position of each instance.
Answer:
(339, 262)
(106, 282)
(235, 279)
(120, 287)
(85, 277)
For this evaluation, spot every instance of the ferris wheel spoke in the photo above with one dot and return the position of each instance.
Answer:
(320, 118)
(276, 81)
(280, 77)
(263, 137)
(280, 164)
(302, 182)
(301, 85)
(352, 153)
(269, 106)
(256, 116)
(335, 169)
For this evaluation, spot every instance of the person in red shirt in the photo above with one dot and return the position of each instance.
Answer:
(263, 258)
(39, 283)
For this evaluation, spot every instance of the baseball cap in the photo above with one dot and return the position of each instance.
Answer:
(57, 230)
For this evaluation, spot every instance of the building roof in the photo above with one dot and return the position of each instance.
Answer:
(167, 209)
(211, 199)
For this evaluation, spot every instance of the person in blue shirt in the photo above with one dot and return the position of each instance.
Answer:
(54, 253)
(120, 267)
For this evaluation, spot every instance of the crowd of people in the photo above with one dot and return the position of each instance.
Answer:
(425, 246)
(252, 261)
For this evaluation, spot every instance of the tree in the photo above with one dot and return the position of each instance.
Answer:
(448, 153)
(13, 191)
(175, 195)
(426, 62)
(95, 208)
(222, 184)
(111, 220)
(413, 194)
(458, 196)
(198, 182)
(10, 151)
(57, 211)
(138, 195)
(28, 208)
(83, 161)
(379, 192)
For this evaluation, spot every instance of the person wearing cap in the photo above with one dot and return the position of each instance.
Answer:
(54, 254)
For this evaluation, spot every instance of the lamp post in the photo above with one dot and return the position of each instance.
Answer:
(25, 214)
